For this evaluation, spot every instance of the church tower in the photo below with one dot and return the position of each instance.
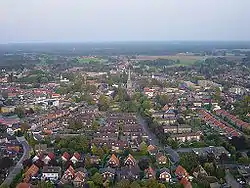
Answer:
(129, 84)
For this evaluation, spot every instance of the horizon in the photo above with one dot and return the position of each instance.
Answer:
(74, 21)
(130, 41)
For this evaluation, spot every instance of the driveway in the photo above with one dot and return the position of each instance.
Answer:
(19, 165)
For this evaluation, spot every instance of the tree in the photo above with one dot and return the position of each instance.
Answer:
(100, 152)
(103, 103)
(105, 149)
(123, 184)
(243, 160)
(3, 185)
(135, 184)
(144, 164)
(152, 183)
(95, 125)
(44, 184)
(209, 167)
(24, 126)
(6, 163)
(94, 149)
(91, 88)
(20, 111)
(97, 179)
(162, 99)
(189, 161)
(217, 95)
(93, 171)
(143, 148)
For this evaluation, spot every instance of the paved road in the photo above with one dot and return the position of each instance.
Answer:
(174, 156)
(19, 166)
(184, 150)
(231, 181)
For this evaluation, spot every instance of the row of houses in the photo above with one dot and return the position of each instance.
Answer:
(218, 124)
(116, 169)
(119, 131)
(232, 119)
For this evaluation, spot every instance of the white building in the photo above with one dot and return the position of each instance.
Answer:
(51, 173)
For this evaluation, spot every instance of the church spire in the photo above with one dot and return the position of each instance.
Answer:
(129, 83)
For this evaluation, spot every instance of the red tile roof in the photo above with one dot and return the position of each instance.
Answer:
(180, 171)
(77, 155)
(23, 185)
(186, 183)
(66, 155)
(51, 155)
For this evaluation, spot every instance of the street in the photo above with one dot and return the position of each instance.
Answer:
(231, 180)
(19, 166)
(174, 156)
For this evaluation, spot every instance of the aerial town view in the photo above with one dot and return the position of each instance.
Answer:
(91, 99)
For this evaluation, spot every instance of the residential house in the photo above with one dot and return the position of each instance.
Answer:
(184, 137)
(216, 151)
(183, 176)
(3, 138)
(181, 172)
(149, 92)
(149, 173)
(114, 161)
(65, 157)
(7, 109)
(23, 185)
(51, 173)
(165, 175)
(167, 121)
(80, 178)
(186, 182)
(130, 173)
(75, 158)
(30, 173)
(130, 161)
(95, 159)
(177, 129)
(199, 170)
(170, 113)
(108, 173)
(69, 175)
(114, 145)
(152, 150)
(157, 114)
(40, 148)
(48, 158)
(161, 159)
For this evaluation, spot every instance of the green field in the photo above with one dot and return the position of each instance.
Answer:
(185, 60)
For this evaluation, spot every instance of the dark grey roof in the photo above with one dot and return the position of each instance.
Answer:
(52, 169)
(130, 171)
(164, 170)
(108, 169)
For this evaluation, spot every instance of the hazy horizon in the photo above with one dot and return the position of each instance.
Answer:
(75, 21)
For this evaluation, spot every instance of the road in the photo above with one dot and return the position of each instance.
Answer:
(19, 165)
(231, 181)
(174, 156)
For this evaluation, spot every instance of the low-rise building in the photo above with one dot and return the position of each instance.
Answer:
(51, 173)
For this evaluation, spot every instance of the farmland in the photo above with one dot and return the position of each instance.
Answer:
(183, 59)
(83, 60)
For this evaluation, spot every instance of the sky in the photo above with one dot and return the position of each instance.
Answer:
(123, 20)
